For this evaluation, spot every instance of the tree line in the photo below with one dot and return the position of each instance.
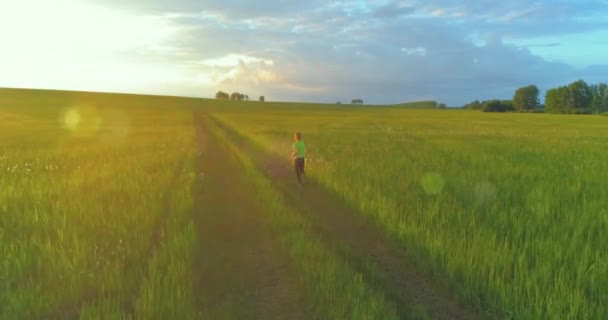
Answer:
(577, 97)
(237, 96)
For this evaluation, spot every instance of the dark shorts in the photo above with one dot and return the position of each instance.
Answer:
(299, 165)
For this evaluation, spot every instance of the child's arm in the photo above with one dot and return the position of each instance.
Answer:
(293, 151)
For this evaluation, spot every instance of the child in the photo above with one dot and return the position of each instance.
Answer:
(298, 154)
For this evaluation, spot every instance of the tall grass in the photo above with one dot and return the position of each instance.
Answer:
(509, 209)
(335, 291)
(80, 201)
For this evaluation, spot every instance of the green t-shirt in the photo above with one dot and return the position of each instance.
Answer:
(300, 149)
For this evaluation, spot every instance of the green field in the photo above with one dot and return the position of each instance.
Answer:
(147, 207)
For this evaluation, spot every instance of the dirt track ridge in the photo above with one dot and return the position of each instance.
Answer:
(240, 272)
(383, 264)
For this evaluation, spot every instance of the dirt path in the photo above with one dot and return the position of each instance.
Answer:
(383, 263)
(240, 273)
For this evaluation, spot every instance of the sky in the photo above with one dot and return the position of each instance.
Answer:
(293, 50)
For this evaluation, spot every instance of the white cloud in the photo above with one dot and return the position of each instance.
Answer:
(387, 51)
(437, 12)
(419, 51)
(516, 14)
(233, 60)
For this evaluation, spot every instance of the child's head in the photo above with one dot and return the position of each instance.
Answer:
(297, 136)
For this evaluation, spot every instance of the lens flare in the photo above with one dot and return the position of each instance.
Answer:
(71, 119)
(484, 192)
(432, 183)
(82, 121)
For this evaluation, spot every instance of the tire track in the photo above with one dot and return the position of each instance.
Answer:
(240, 271)
(71, 310)
(382, 262)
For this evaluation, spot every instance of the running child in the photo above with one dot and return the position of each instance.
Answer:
(298, 154)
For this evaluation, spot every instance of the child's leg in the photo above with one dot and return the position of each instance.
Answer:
(299, 168)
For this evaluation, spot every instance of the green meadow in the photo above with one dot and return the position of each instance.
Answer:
(407, 212)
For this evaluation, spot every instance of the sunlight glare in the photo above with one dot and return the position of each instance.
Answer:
(82, 121)
(74, 45)
(484, 192)
(432, 183)
(71, 119)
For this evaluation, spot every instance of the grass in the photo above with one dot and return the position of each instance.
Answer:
(508, 209)
(79, 205)
(336, 291)
(97, 218)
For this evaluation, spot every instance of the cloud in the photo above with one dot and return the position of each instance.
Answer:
(421, 51)
(239, 9)
(380, 51)
(393, 9)
(232, 60)
(392, 52)
(552, 44)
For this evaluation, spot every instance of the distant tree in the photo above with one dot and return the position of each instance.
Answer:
(262, 99)
(441, 106)
(247, 97)
(338, 102)
(603, 96)
(596, 101)
(222, 95)
(494, 106)
(237, 96)
(526, 98)
(580, 95)
(599, 98)
(551, 100)
(557, 100)
(357, 101)
(576, 97)
(475, 105)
